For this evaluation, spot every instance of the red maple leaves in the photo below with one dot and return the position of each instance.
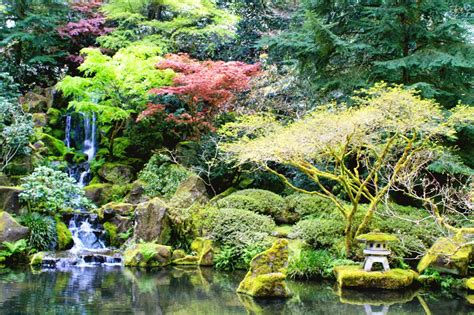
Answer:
(206, 87)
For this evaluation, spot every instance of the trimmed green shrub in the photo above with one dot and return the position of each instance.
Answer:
(306, 205)
(239, 228)
(259, 201)
(162, 177)
(43, 234)
(321, 233)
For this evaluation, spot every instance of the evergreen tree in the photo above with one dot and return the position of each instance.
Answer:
(344, 45)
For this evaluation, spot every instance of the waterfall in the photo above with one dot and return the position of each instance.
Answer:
(86, 127)
(89, 248)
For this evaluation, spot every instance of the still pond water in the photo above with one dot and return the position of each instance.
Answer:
(113, 290)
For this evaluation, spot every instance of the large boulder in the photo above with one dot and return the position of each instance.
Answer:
(116, 173)
(267, 274)
(147, 255)
(151, 221)
(100, 194)
(448, 255)
(112, 209)
(10, 229)
(137, 193)
(190, 191)
(9, 199)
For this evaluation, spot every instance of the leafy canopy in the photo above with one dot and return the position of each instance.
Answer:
(346, 45)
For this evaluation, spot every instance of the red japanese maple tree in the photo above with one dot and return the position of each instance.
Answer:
(206, 87)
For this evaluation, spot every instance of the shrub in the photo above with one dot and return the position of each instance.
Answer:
(323, 233)
(226, 258)
(306, 205)
(43, 234)
(162, 177)
(312, 264)
(50, 191)
(259, 201)
(239, 228)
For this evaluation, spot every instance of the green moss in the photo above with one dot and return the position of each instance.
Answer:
(447, 255)
(111, 233)
(354, 276)
(178, 253)
(55, 146)
(267, 274)
(39, 119)
(282, 231)
(204, 251)
(54, 116)
(147, 255)
(377, 237)
(186, 260)
(64, 235)
(37, 259)
(469, 284)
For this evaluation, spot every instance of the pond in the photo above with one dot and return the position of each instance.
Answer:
(115, 290)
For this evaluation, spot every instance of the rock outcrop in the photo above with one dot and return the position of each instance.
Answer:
(151, 221)
(448, 255)
(10, 229)
(267, 274)
(147, 255)
(354, 276)
(9, 199)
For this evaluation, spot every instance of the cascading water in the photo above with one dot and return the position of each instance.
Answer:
(89, 248)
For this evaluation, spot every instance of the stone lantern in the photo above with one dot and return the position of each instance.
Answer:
(376, 249)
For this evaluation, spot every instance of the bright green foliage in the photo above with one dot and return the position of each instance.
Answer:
(115, 87)
(311, 264)
(162, 177)
(186, 25)
(225, 259)
(348, 45)
(13, 252)
(323, 233)
(49, 191)
(16, 129)
(43, 235)
(306, 205)
(239, 228)
(256, 200)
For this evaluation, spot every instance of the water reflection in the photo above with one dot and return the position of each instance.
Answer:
(113, 290)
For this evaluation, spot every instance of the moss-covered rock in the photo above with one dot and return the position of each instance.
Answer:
(147, 255)
(137, 193)
(9, 199)
(448, 255)
(186, 260)
(469, 284)
(37, 259)
(111, 233)
(151, 221)
(354, 276)
(190, 191)
(112, 209)
(204, 251)
(34, 102)
(260, 201)
(55, 146)
(116, 173)
(100, 194)
(10, 229)
(54, 117)
(267, 274)
(39, 120)
(178, 253)
(65, 240)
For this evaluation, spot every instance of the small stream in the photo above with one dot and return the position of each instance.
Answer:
(118, 290)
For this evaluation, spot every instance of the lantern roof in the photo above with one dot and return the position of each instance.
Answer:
(377, 236)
